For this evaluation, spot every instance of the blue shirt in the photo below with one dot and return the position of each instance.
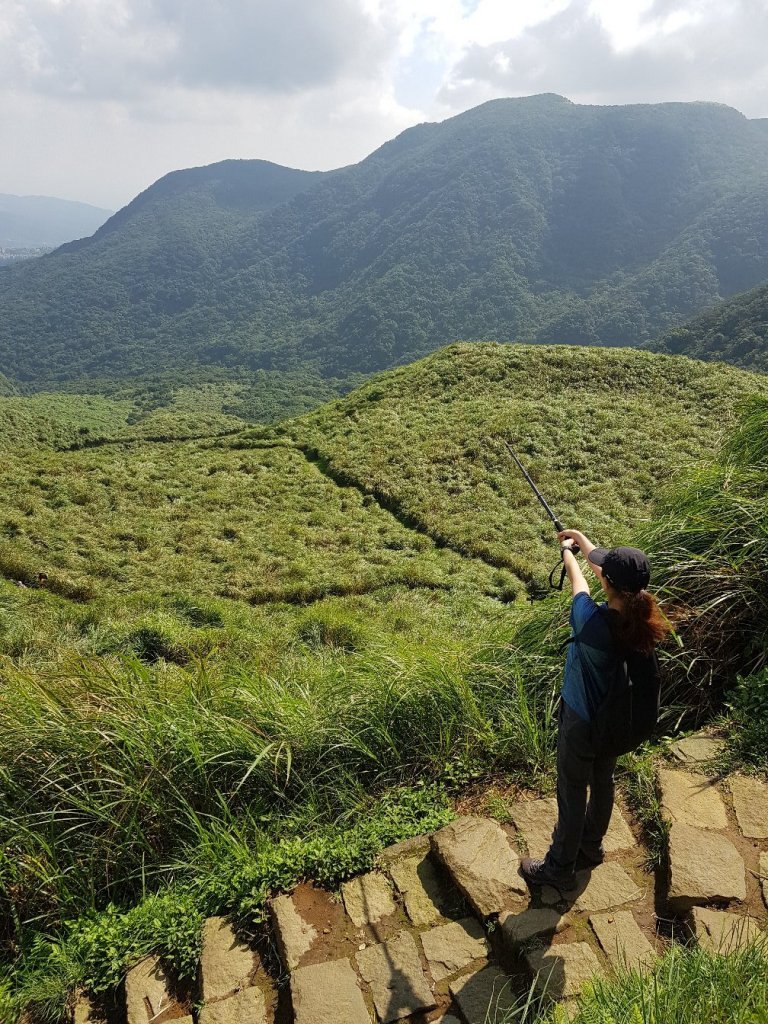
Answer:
(592, 658)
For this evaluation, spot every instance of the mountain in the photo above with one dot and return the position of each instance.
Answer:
(525, 220)
(735, 332)
(29, 222)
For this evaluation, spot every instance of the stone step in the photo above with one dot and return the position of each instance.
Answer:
(622, 940)
(327, 992)
(689, 798)
(484, 995)
(704, 867)
(721, 932)
(394, 972)
(149, 993)
(750, 804)
(478, 855)
(560, 971)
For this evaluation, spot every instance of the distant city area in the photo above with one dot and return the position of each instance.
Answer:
(8, 255)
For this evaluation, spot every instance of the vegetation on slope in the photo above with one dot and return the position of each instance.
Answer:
(599, 430)
(735, 332)
(173, 753)
(523, 220)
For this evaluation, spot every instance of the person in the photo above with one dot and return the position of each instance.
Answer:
(602, 635)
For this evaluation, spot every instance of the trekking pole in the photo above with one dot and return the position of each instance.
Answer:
(556, 522)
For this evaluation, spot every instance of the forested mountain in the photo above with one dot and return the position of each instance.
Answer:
(735, 332)
(523, 220)
(27, 222)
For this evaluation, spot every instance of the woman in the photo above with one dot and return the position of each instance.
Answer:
(629, 620)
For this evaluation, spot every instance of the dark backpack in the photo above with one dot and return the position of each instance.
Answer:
(628, 715)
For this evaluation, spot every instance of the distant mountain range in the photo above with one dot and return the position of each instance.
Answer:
(33, 222)
(521, 220)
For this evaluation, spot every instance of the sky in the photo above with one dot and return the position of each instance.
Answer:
(99, 98)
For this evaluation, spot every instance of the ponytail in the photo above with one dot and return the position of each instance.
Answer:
(640, 625)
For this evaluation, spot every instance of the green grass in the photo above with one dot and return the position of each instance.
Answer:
(599, 430)
(687, 986)
(710, 544)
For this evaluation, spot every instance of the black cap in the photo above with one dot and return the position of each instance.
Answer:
(624, 568)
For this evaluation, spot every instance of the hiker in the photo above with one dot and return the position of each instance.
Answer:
(629, 623)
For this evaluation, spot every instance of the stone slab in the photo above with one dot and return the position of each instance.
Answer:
(227, 964)
(605, 887)
(394, 972)
(721, 932)
(419, 883)
(750, 802)
(328, 992)
(405, 848)
(483, 997)
(764, 876)
(703, 867)
(368, 898)
(295, 936)
(691, 799)
(477, 854)
(147, 991)
(245, 1007)
(530, 923)
(448, 1019)
(451, 948)
(622, 940)
(562, 970)
(697, 749)
(536, 820)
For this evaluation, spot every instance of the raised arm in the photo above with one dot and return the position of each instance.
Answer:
(576, 578)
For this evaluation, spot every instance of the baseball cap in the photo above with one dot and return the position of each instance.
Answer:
(625, 568)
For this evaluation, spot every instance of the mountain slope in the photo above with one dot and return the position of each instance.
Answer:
(735, 332)
(532, 219)
(30, 221)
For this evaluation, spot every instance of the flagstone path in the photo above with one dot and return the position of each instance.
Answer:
(445, 930)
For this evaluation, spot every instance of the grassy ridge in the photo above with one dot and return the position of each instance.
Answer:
(600, 431)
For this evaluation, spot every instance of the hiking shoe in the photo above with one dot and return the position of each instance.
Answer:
(539, 872)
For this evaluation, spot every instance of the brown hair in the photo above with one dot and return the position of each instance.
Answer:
(640, 625)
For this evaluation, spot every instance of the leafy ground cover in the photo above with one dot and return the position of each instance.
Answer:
(255, 643)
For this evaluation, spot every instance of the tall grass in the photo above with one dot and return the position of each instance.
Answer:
(110, 767)
(710, 553)
(687, 986)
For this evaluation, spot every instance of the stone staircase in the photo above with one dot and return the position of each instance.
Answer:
(445, 930)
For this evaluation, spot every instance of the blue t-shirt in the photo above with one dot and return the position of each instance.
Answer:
(592, 658)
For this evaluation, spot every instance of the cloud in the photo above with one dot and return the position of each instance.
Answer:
(117, 49)
(668, 50)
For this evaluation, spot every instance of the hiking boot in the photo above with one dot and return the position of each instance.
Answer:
(540, 872)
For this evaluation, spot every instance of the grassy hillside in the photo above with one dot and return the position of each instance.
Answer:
(598, 430)
(523, 220)
(735, 332)
(264, 638)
